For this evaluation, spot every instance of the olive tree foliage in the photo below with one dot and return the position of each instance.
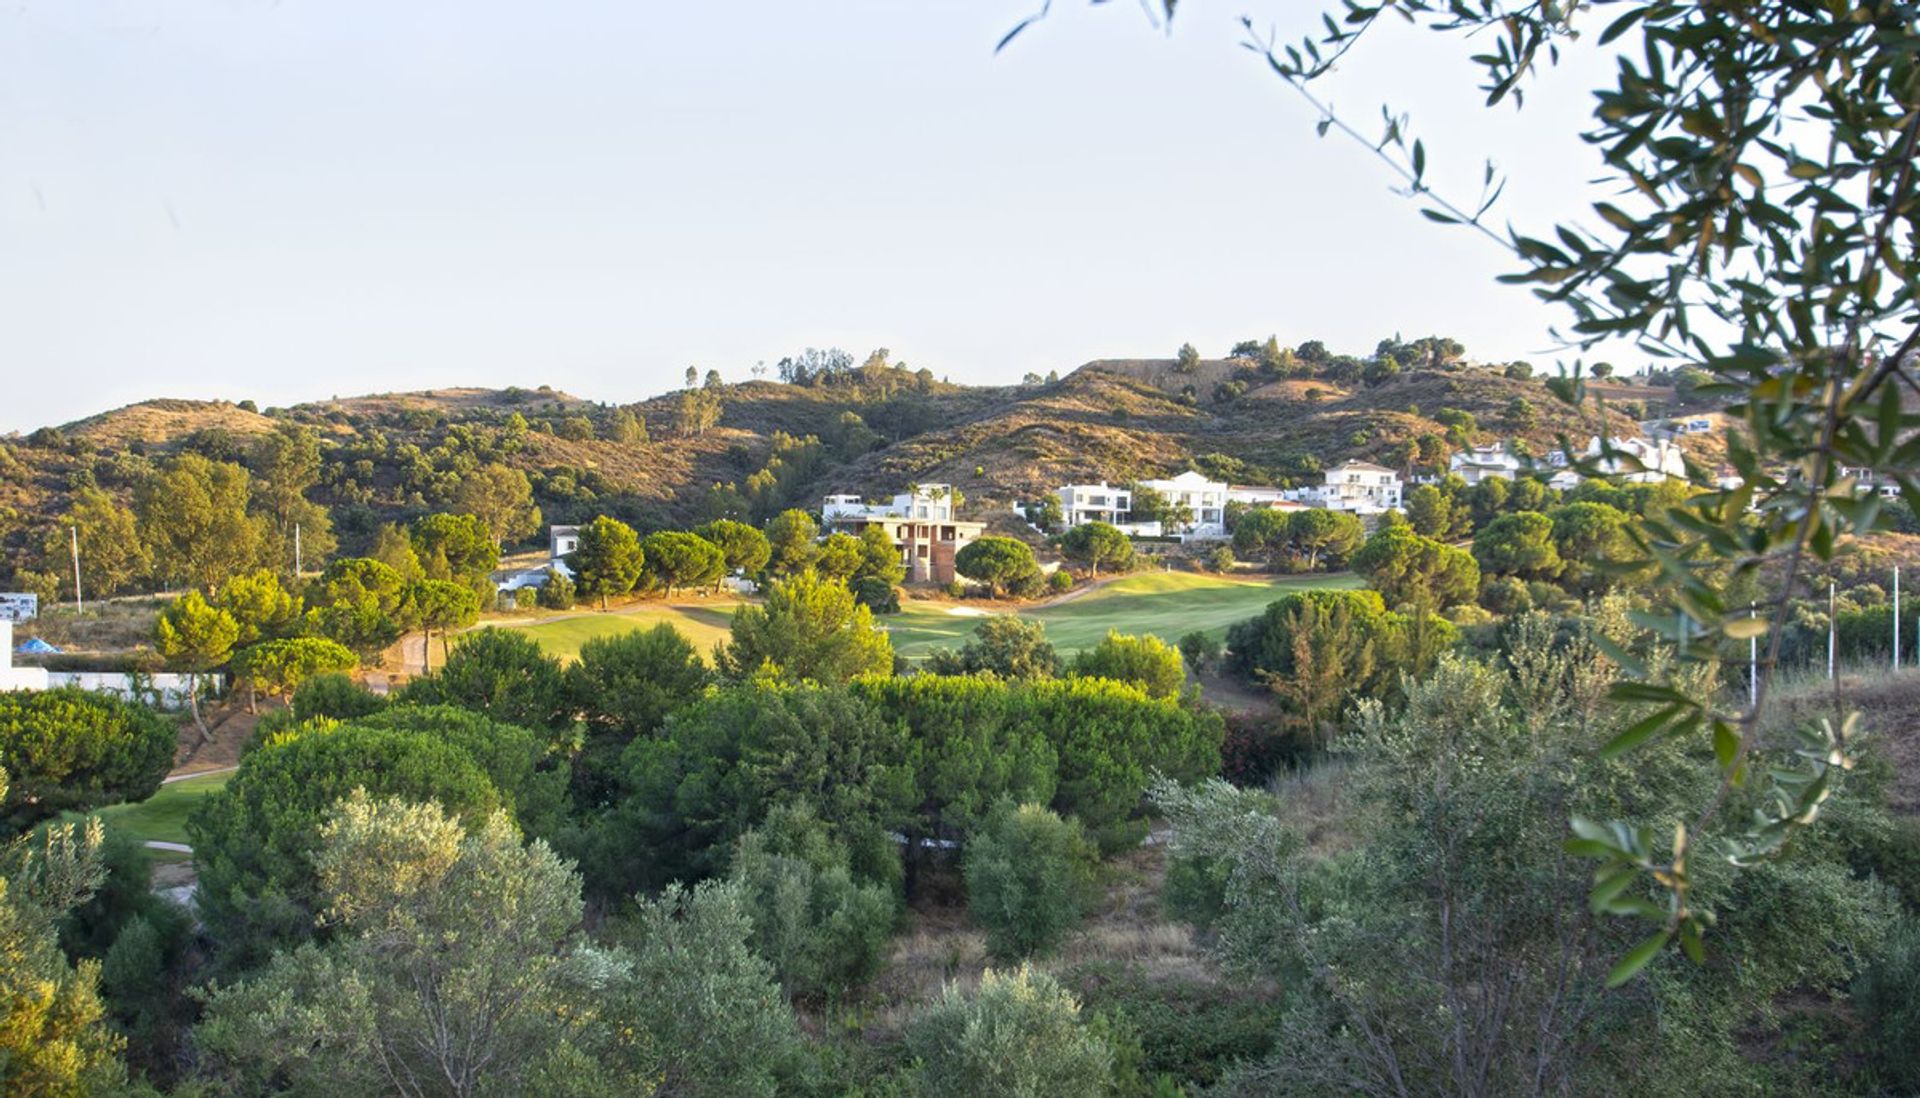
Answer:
(1019, 1034)
(1451, 948)
(55, 1039)
(1757, 230)
(1029, 878)
(1760, 227)
(253, 841)
(822, 929)
(455, 966)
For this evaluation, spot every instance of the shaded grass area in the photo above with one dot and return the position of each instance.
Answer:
(1168, 605)
(703, 625)
(163, 816)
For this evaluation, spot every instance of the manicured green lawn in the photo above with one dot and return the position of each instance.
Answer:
(703, 625)
(1166, 604)
(163, 816)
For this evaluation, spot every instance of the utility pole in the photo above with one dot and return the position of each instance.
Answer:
(1833, 634)
(1753, 662)
(1896, 618)
(296, 550)
(79, 606)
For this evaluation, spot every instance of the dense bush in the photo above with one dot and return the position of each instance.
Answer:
(823, 930)
(557, 593)
(1201, 650)
(720, 765)
(809, 630)
(72, 749)
(1020, 1035)
(1194, 1032)
(875, 593)
(1029, 878)
(1003, 644)
(501, 673)
(253, 841)
(1086, 747)
(1145, 661)
(1887, 997)
(336, 696)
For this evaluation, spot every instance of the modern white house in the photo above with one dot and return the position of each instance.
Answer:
(1205, 501)
(561, 540)
(1357, 486)
(1483, 463)
(920, 521)
(1102, 502)
(1637, 461)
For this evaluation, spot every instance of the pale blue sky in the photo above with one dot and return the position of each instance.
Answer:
(288, 200)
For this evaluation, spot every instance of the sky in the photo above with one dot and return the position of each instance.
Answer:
(287, 200)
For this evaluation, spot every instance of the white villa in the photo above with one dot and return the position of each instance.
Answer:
(1483, 463)
(1357, 486)
(1637, 461)
(1205, 501)
(561, 540)
(1102, 502)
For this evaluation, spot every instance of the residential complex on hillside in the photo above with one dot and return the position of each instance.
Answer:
(920, 522)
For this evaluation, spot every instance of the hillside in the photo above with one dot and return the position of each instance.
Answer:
(775, 444)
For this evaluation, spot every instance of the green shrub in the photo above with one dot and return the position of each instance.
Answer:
(558, 593)
(876, 593)
(1060, 581)
(823, 932)
(72, 749)
(1029, 878)
(1145, 660)
(1506, 595)
(501, 673)
(526, 598)
(253, 841)
(1006, 645)
(1190, 1032)
(1887, 998)
(336, 696)
(1020, 1035)
(1201, 650)
(956, 590)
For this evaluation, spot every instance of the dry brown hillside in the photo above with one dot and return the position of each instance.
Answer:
(160, 422)
(390, 456)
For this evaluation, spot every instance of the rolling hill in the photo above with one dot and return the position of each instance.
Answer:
(774, 444)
